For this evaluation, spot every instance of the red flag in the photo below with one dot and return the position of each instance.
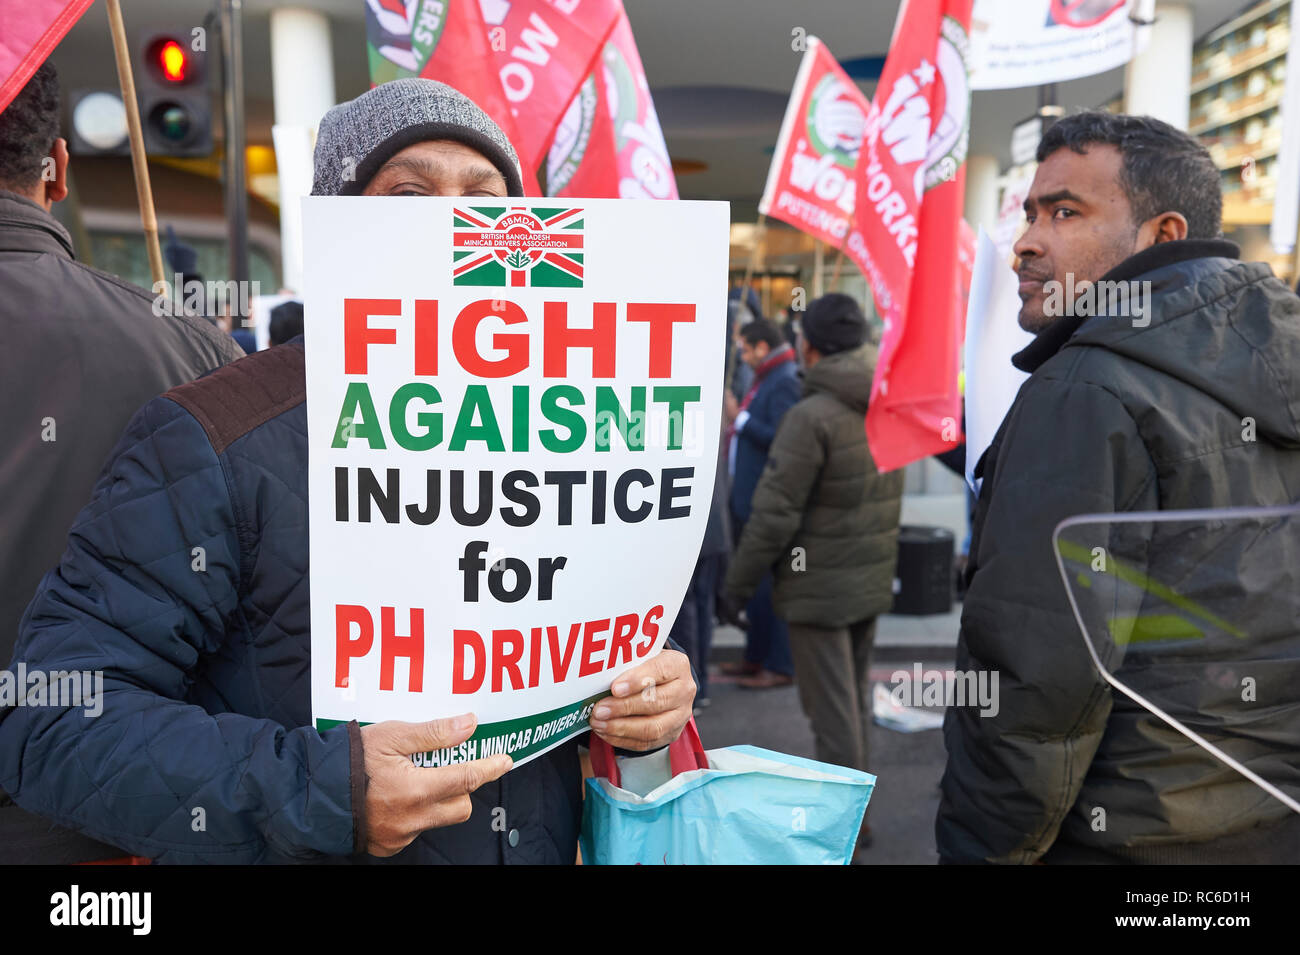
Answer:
(447, 42)
(460, 48)
(29, 31)
(810, 183)
(910, 185)
(609, 143)
(582, 160)
(544, 50)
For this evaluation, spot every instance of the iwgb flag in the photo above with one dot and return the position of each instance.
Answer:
(522, 61)
(609, 143)
(810, 183)
(443, 40)
(910, 185)
(517, 246)
(29, 31)
(543, 51)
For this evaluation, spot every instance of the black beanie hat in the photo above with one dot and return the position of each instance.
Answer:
(834, 323)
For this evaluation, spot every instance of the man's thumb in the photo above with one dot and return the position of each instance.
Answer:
(408, 738)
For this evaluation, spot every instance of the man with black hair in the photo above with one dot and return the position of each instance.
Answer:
(1135, 402)
(82, 351)
(286, 322)
(774, 391)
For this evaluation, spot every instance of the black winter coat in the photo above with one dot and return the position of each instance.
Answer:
(80, 352)
(1196, 404)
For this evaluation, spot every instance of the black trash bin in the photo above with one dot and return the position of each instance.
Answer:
(923, 584)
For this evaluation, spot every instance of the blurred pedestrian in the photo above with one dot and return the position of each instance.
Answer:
(767, 662)
(742, 308)
(193, 293)
(827, 521)
(82, 351)
(286, 322)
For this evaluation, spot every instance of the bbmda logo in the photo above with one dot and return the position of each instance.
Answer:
(517, 246)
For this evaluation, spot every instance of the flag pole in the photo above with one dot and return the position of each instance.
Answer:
(839, 252)
(819, 267)
(139, 163)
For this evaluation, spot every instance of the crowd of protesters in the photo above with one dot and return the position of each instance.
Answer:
(208, 693)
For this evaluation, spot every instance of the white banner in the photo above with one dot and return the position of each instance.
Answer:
(1286, 200)
(993, 336)
(512, 413)
(1017, 43)
(1011, 208)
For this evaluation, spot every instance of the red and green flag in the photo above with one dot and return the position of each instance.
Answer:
(445, 40)
(609, 143)
(543, 51)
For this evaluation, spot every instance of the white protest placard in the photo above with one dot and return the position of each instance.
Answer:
(512, 410)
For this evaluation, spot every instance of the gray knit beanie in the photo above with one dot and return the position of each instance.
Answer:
(356, 138)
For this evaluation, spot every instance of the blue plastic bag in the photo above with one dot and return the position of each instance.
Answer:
(752, 806)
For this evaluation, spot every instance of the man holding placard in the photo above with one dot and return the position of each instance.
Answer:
(186, 577)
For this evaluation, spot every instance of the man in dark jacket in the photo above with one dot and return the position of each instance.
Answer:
(1126, 413)
(186, 583)
(826, 522)
(82, 350)
(774, 391)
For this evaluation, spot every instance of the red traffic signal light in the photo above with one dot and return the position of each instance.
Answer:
(169, 61)
(173, 62)
(174, 94)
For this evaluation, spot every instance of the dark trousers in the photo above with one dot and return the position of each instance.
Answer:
(832, 669)
(767, 641)
(693, 628)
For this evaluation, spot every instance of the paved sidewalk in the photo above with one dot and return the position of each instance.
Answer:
(936, 632)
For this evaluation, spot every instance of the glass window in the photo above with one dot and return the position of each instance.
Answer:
(124, 255)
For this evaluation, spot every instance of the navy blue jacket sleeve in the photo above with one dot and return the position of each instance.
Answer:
(136, 601)
(761, 430)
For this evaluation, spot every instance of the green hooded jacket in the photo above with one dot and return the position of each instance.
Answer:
(824, 520)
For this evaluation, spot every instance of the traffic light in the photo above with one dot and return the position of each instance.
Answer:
(172, 85)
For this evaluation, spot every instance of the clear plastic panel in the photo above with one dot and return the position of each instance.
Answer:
(1194, 616)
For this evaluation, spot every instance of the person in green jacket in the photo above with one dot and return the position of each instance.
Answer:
(825, 521)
